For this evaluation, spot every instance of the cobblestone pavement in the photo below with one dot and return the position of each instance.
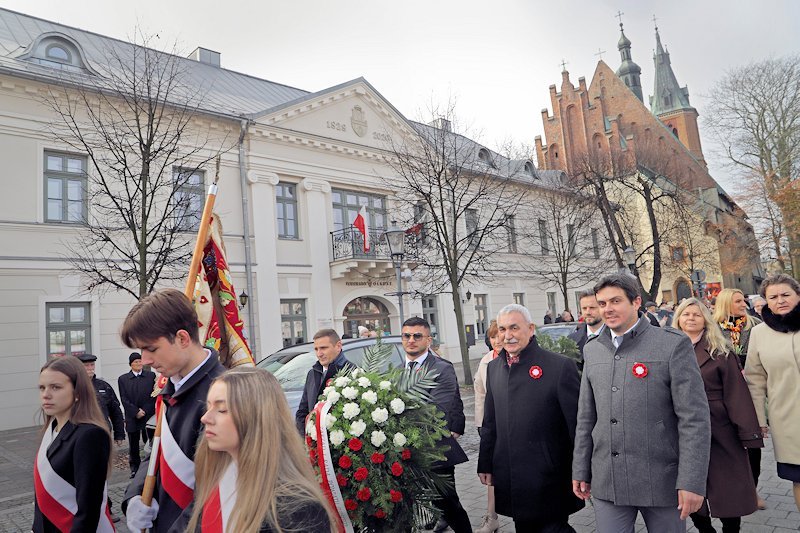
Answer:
(17, 448)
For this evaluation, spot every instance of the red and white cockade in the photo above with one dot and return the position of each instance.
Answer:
(639, 370)
(56, 497)
(535, 372)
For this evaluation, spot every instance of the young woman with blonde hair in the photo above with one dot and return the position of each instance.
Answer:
(252, 473)
(730, 490)
(732, 316)
(74, 458)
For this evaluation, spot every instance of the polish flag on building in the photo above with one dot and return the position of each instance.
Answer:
(361, 224)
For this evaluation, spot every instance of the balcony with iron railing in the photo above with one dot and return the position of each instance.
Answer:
(348, 244)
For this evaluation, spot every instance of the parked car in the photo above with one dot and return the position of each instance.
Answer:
(290, 365)
(557, 330)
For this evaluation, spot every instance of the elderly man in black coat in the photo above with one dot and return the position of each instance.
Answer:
(529, 428)
(139, 404)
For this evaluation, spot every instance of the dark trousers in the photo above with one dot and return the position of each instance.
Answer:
(703, 524)
(558, 525)
(133, 444)
(452, 510)
(754, 455)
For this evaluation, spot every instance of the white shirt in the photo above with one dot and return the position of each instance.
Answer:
(179, 382)
(419, 360)
(590, 334)
(137, 374)
(614, 336)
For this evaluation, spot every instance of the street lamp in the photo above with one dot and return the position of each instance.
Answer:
(629, 256)
(396, 239)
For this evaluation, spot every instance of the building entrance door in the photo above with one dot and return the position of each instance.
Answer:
(367, 312)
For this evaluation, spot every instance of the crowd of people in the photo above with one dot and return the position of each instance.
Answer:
(666, 422)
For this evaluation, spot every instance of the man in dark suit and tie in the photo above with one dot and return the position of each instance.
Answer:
(136, 393)
(416, 336)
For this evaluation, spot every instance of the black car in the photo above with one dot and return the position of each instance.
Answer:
(557, 330)
(290, 365)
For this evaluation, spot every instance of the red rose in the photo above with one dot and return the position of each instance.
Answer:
(396, 496)
(341, 480)
(360, 474)
(377, 458)
(364, 494)
(355, 444)
(312, 453)
(328, 383)
(397, 469)
(345, 462)
(309, 442)
(406, 455)
(380, 514)
(350, 505)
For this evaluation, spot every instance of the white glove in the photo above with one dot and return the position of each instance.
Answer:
(140, 516)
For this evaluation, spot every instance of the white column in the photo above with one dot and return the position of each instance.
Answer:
(318, 202)
(265, 233)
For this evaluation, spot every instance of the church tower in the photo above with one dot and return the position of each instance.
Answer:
(670, 103)
(628, 71)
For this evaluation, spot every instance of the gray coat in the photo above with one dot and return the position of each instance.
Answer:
(639, 439)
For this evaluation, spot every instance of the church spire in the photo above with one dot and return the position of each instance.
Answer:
(628, 71)
(667, 96)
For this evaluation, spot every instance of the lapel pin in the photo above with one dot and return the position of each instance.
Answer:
(639, 370)
(535, 372)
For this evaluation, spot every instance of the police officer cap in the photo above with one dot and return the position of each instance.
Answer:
(87, 357)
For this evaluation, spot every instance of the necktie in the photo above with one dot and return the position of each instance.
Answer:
(412, 365)
(617, 341)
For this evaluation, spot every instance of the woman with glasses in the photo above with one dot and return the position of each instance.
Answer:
(773, 373)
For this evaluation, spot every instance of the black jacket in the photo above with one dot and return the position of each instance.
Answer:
(184, 409)
(79, 454)
(109, 404)
(315, 383)
(310, 516)
(137, 393)
(528, 434)
(447, 398)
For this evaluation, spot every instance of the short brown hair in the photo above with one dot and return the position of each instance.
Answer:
(330, 333)
(493, 329)
(161, 313)
(778, 279)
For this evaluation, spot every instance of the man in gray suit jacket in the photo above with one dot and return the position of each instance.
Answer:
(644, 433)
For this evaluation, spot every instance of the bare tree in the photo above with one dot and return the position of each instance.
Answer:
(767, 220)
(460, 195)
(564, 245)
(755, 112)
(136, 123)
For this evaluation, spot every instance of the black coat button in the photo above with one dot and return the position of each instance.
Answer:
(613, 420)
(614, 454)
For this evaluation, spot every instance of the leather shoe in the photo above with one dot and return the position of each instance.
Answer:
(441, 525)
(133, 474)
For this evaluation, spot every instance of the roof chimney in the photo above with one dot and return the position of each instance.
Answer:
(442, 124)
(204, 55)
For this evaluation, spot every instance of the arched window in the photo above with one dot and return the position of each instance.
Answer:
(486, 157)
(530, 169)
(57, 51)
(675, 133)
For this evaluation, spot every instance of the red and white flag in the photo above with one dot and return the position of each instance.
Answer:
(361, 224)
(219, 506)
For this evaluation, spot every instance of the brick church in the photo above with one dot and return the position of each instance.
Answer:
(609, 116)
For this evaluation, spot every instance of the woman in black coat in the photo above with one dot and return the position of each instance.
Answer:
(73, 460)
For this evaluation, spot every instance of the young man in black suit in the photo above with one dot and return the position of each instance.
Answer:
(139, 404)
(416, 336)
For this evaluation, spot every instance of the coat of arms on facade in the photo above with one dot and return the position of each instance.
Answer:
(358, 121)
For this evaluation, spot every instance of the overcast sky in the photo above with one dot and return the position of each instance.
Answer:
(496, 58)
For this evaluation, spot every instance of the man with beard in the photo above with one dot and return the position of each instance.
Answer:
(528, 428)
(592, 323)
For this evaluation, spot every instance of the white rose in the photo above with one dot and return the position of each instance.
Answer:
(357, 428)
(377, 438)
(370, 396)
(399, 439)
(311, 430)
(350, 393)
(380, 415)
(356, 372)
(364, 382)
(351, 410)
(341, 381)
(385, 385)
(336, 437)
(330, 420)
(333, 396)
(327, 390)
(397, 405)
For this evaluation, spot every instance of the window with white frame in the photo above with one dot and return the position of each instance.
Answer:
(551, 303)
(571, 239)
(471, 222)
(347, 204)
(595, 244)
(189, 197)
(481, 315)
(519, 298)
(543, 239)
(512, 234)
(286, 210)
(68, 330)
(293, 322)
(430, 312)
(66, 188)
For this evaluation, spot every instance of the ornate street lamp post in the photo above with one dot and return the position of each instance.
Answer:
(629, 256)
(396, 239)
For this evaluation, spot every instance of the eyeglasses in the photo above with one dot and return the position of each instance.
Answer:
(416, 336)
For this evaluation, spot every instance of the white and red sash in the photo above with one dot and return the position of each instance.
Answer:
(176, 469)
(55, 496)
(217, 509)
(330, 486)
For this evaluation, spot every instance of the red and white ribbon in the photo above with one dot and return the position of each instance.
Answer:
(329, 484)
(56, 497)
(177, 470)
(217, 510)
